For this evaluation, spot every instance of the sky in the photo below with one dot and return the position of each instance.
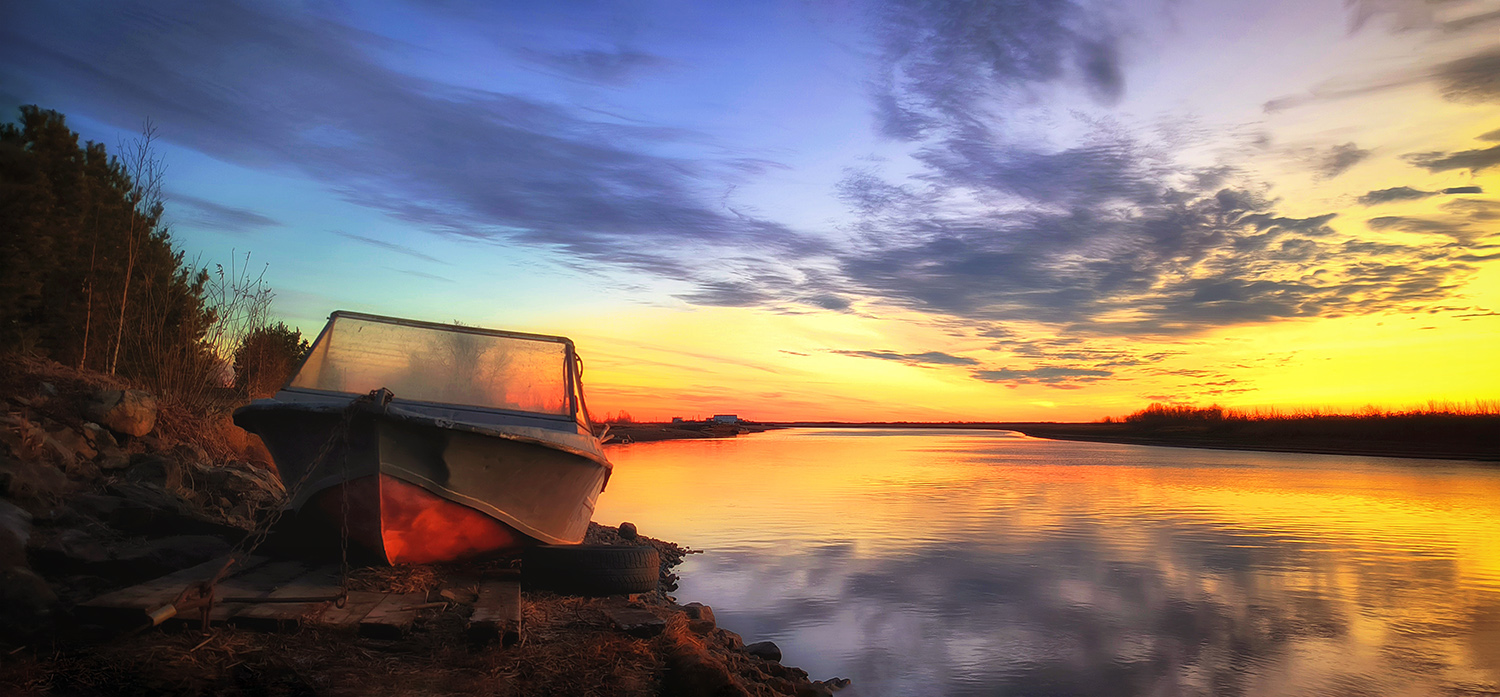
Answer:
(843, 210)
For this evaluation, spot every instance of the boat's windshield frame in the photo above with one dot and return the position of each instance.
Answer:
(572, 384)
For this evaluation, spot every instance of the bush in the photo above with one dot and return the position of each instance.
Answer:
(266, 358)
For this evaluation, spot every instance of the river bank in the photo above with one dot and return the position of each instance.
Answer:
(103, 487)
(647, 432)
(1479, 440)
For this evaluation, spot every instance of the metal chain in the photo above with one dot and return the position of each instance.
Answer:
(340, 436)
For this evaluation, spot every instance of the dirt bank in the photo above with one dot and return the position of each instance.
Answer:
(103, 487)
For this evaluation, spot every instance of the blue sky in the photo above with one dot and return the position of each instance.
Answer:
(1051, 199)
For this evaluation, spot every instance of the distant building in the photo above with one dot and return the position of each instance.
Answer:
(677, 419)
(726, 419)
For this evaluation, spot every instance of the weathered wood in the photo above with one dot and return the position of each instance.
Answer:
(359, 604)
(392, 617)
(254, 583)
(130, 606)
(497, 613)
(320, 582)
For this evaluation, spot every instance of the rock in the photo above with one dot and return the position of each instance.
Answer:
(636, 622)
(113, 460)
(140, 508)
(837, 684)
(27, 603)
(628, 531)
(729, 639)
(69, 551)
(150, 559)
(15, 534)
(693, 671)
(190, 454)
(98, 436)
(162, 471)
(74, 442)
(700, 618)
(815, 689)
(699, 611)
(767, 650)
(131, 412)
(30, 479)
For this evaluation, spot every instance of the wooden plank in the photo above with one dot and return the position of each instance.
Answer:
(320, 582)
(391, 618)
(254, 583)
(360, 603)
(129, 606)
(497, 613)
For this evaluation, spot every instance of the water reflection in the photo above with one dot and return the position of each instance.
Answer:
(935, 562)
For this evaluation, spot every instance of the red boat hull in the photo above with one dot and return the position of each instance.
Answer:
(406, 524)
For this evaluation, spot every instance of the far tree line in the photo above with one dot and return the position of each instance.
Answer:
(89, 275)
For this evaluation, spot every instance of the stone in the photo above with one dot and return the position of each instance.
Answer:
(767, 650)
(628, 531)
(27, 603)
(15, 534)
(75, 442)
(162, 471)
(815, 689)
(69, 551)
(836, 684)
(636, 622)
(131, 412)
(692, 670)
(189, 454)
(729, 639)
(152, 558)
(98, 436)
(30, 479)
(700, 618)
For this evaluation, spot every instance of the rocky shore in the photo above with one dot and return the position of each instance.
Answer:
(103, 487)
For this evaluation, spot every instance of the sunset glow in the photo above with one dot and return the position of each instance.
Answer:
(845, 211)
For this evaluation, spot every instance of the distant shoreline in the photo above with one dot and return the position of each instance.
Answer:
(1312, 444)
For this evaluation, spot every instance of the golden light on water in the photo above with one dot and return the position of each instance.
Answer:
(1328, 566)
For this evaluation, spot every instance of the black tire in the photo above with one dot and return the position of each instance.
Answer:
(592, 570)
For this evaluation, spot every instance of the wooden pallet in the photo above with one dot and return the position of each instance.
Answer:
(497, 611)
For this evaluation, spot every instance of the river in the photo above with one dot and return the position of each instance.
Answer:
(936, 562)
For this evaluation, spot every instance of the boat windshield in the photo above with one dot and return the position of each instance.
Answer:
(457, 366)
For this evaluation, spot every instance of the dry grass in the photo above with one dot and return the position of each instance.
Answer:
(403, 578)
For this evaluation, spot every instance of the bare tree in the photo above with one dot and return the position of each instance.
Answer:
(147, 171)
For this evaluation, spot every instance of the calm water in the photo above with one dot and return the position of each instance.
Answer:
(928, 562)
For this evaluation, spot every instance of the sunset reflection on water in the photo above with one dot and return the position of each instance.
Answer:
(942, 562)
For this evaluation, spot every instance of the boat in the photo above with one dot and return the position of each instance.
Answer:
(424, 442)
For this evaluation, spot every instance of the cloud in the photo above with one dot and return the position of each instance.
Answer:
(1046, 375)
(944, 61)
(927, 358)
(1406, 193)
(1476, 160)
(391, 246)
(1400, 193)
(1340, 158)
(1473, 80)
(262, 86)
(217, 216)
(618, 66)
